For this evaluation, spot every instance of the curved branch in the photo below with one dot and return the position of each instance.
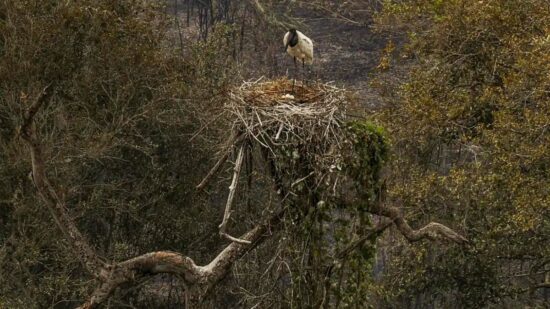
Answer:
(48, 194)
(432, 230)
(149, 263)
(200, 278)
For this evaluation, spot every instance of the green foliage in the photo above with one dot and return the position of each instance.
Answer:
(324, 228)
(471, 145)
(370, 151)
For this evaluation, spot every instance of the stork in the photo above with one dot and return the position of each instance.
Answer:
(299, 47)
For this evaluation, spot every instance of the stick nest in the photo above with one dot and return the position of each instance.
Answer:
(304, 129)
(271, 114)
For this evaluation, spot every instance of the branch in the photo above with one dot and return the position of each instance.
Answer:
(201, 278)
(8, 243)
(344, 253)
(233, 140)
(432, 230)
(43, 97)
(267, 15)
(381, 227)
(149, 263)
(232, 190)
(48, 194)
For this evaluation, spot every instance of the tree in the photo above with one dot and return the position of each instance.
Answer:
(470, 122)
(100, 103)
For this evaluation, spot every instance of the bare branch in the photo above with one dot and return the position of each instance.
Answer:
(281, 22)
(432, 230)
(234, 239)
(213, 171)
(48, 194)
(233, 140)
(199, 278)
(232, 190)
(42, 98)
(164, 262)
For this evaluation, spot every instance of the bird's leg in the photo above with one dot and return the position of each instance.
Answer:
(303, 71)
(295, 71)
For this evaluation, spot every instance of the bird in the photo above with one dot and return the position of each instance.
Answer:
(299, 47)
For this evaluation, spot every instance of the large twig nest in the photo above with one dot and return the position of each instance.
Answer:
(273, 115)
(306, 131)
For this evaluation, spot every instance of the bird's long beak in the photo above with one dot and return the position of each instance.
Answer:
(286, 47)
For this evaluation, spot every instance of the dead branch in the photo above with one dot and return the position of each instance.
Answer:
(196, 278)
(234, 239)
(28, 117)
(269, 17)
(432, 230)
(231, 196)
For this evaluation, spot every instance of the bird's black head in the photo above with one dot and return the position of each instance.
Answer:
(292, 39)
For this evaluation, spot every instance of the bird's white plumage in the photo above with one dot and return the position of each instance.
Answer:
(303, 51)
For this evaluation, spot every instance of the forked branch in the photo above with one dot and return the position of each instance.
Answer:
(112, 276)
(198, 279)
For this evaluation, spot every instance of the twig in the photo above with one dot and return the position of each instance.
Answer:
(231, 196)
(301, 179)
(234, 239)
(216, 168)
